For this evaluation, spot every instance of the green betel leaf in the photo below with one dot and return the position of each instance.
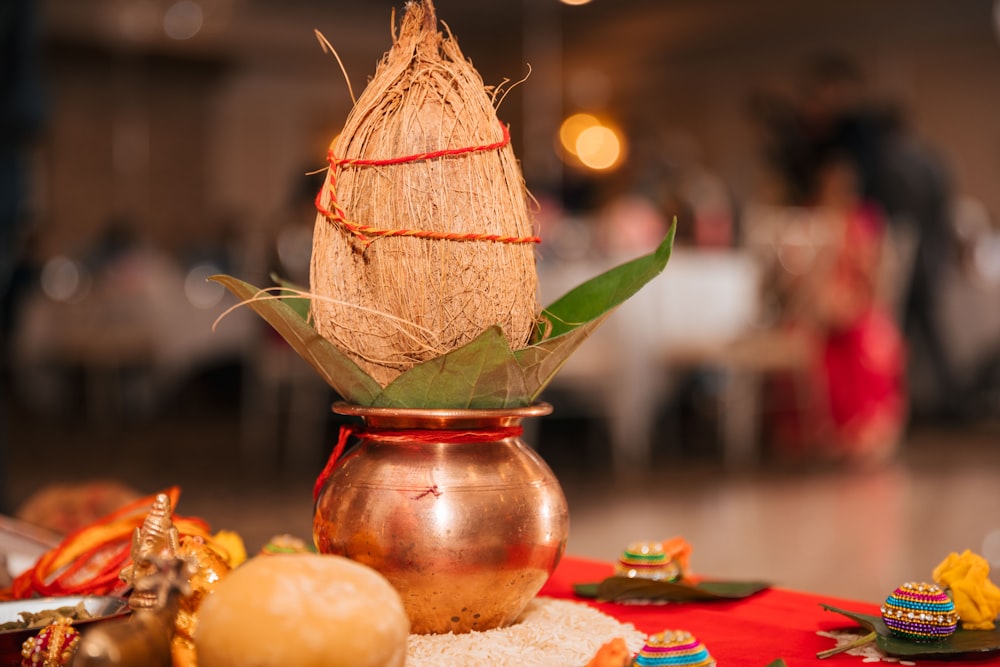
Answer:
(964, 643)
(586, 590)
(867, 621)
(336, 368)
(480, 374)
(731, 590)
(625, 589)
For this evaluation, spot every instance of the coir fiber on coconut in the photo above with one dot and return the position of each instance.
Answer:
(423, 238)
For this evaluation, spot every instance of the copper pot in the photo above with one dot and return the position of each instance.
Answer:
(452, 508)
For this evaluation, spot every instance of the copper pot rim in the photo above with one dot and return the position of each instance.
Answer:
(538, 409)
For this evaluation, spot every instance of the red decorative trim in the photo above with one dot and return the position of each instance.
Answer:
(335, 214)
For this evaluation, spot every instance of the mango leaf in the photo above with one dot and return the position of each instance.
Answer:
(293, 296)
(626, 589)
(481, 374)
(541, 361)
(485, 373)
(962, 644)
(336, 368)
(603, 293)
(570, 320)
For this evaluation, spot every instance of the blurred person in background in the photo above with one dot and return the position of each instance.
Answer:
(829, 114)
(21, 118)
(849, 402)
(916, 191)
(896, 173)
(830, 150)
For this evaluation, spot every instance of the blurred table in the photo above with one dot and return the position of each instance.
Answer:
(135, 332)
(753, 632)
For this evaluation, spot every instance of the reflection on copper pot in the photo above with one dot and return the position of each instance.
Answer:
(452, 508)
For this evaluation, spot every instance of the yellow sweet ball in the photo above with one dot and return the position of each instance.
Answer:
(306, 610)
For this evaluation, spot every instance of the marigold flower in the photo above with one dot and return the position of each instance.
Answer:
(679, 550)
(614, 653)
(977, 599)
(230, 546)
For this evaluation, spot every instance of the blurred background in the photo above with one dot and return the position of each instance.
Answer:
(815, 377)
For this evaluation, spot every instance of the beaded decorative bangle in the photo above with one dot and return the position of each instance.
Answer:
(53, 646)
(920, 612)
(673, 647)
(647, 560)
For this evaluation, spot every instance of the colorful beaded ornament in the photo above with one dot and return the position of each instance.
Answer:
(647, 560)
(673, 647)
(53, 646)
(920, 612)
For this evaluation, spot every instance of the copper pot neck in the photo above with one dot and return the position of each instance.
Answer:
(441, 418)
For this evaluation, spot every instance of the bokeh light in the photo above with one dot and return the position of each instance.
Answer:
(183, 20)
(591, 143)
(571, 129)
(599, 147)
(64, 279)
(199, 290)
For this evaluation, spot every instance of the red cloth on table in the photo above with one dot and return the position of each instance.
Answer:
(752, 632)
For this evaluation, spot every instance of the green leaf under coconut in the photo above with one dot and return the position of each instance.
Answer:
(484, 373)
(293, 295)
(480, 374)
(335, 367)
(541, 361)
(964, 643)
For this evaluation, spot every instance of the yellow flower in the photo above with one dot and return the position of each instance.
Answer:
(229, 545)
(977, 599)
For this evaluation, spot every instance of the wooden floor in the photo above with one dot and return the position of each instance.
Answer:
(831, 531)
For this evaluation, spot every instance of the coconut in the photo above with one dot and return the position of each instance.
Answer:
(424, 237)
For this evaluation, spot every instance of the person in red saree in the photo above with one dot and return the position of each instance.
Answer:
(847, 401)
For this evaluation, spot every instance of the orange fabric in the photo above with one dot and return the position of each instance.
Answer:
(88, 561)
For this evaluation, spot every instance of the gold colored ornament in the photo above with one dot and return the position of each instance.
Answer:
(53, 646)
(157, 539)
(161, 576)
(140, 641)
(208, 569)
(145, 639)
